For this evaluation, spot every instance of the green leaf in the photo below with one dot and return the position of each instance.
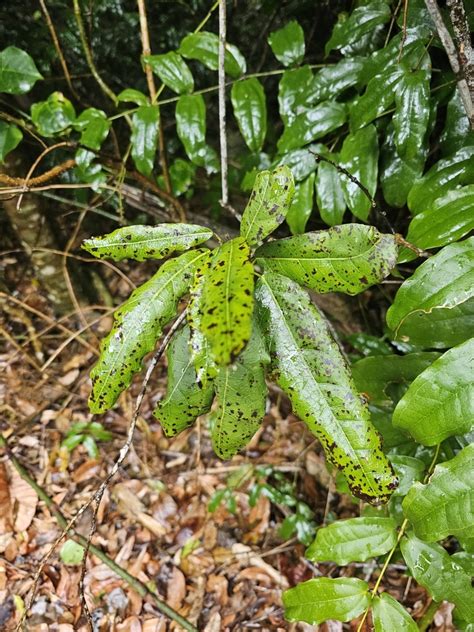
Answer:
(397, 176)
(353, 540)
(191, 128)
(294, 89)
(53, 115)
(444, 506)
(439, 573)
(250, 110)
(91, 446)
(186, 398)
(18, 73)
(145, 125)
(362, 20)
(133, 96)
(204, 47)
(94, 127)
(408, 469)
(440, 402)
(227, 301)
(309, 367)
(172, 70)
(312, 124)
(347, 258)
(435, 306)
(457, 132)
(138, 323)
(71, 553)
(268, 204)
(359, 156)
(388, 614)
(301, 161)
(322, 598)
(241, 396)
(330, 193)
(412, 112)
(377, 98)
(146, 242)
(301, 206)
(10, 137)
(332, 80)
(287, 44)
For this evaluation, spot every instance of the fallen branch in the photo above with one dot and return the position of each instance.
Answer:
(38, 180)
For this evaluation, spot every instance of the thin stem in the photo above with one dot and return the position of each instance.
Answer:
(202, 24)
(222, 124)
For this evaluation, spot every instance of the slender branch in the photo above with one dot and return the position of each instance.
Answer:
(38, 180)
(462, 34)
(222, 124)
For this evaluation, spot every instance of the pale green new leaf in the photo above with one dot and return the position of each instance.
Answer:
(268, 204)
(445, 505)
(353, 540)
(287, 43)
(311, 124)
(322, 598)
(227, 301)
(435, 306)
(301, 206)
(412, 112)
(10, 137)
(53, 115)
(146, 242)
(309, 367)
(18, 73)
(133, 96)
(186, 398)
(440, 402)
(347, 258)
(388, 614)
(145, 123)
(204, 47)
(172, 70)
(440, 574)
(250, 110)
(138, 323)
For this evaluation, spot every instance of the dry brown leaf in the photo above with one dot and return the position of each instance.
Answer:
(176, 588)
(6, 522)
(247, 557)
(214, 624)
(154, 625)
(24, 497)
(131, 506)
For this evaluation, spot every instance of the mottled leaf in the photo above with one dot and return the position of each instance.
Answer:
(172, 70)
(53, 115)
(138, 323)
(347, 258)
(250, 110)
(287, 43)
(301, 206)
(146, 242)
(268, 204)
(330, 193)
(204, 47)
(412, 112)
(309, 367)
(362, 20)
(18, 73)
(388, 614)
(294, 90)
(94, 127)
(10, 137)
(359, 156)
(353, 540)
(145, 123)
(312, 124)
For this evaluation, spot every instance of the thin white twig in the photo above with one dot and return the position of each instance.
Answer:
(222, 123)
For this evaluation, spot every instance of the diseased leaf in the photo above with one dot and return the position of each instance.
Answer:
(323, 598)
(268, 204)
(53, 115)
(294, 89)
(353, 540)
(18, 73)
(204, 47)
(444, 506)
(241, 396)
(301, 206)
(435, 307)
(146, 242)
(347, 258)
(186, 398)
(138, 323)
(412, 112)
(440, 402)
(377, 98)
(145, 123)
(172, 70)
(388, 614)
(312, 124)
(359, 156)
(361, 21)
(287, 43)
(440, 574)
(227, 301)
(329, 193)
(250, 110)
(191, 128)
(94, 127)
(309, 367)
(10, 137)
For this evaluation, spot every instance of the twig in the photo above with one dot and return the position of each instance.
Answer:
(404, 29)
(38, 180)
(221, 81)
(462, 34)
(133, 582)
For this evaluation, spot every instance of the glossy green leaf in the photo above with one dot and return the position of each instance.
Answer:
(241, 397)
(377, 98)
(172, 70)
(301, 206)
(53, 115)
(250, 110)
(374, 375)
(145, 125)
(347, 258)
(227, 301)
(322, 598)
(388, 614)
(330, 193)
(409, 470)
(435, 306)
(440, 402)
(138, 323)
(309, 367)
(444, 506)
(204, 47)
(359, 156)
(412, 111)
(191, 128)
(332, 80)
(130, 95)
(294, 89)
(457, 132)
(182, 174)
(301, 161)
(18, 73)
(10, 137)
(443, 177)
(94, 127)
(353, 540)
(185, 399)
(440, 574)
(146, 242)
(287, 44)
(268, 204)
(312, 124)
(397, 176)
(361, 21)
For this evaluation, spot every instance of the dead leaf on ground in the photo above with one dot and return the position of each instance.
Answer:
(24, 497)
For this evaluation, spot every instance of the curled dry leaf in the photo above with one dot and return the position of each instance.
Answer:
(5, 502)
(24, 498)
